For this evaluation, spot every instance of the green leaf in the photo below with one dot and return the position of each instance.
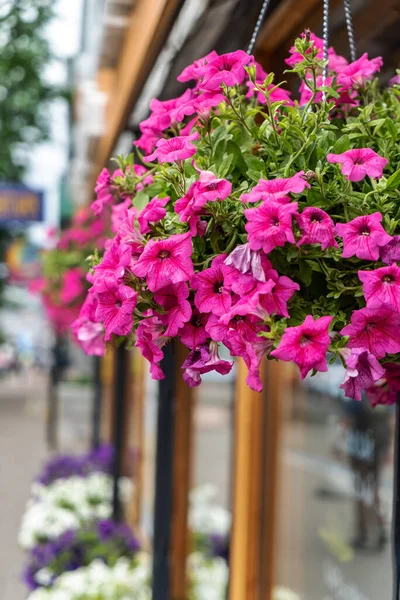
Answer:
(342, 145)
(225, 165)
(305, 273)
(141, 200)
(393, 182)
(390, 126)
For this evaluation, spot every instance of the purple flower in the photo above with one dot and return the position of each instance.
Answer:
(363, 369)
(390, 252)
(203, 360)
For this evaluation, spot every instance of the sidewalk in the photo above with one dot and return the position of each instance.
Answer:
(22, 450)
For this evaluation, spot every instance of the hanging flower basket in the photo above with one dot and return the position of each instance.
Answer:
(261, 222)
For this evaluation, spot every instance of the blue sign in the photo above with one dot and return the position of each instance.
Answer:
(19, 203)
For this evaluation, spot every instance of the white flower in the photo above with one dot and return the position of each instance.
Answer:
(44, 521)
(205, 516)
(44, 576)
(281, 593)
(208, 576)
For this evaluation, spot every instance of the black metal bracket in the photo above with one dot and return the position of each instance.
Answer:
(97, 403)
(120, 373)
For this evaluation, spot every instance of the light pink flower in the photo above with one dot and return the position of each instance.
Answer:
(363, 237)
(196, 70)
(115, 308)
(226, 69)
(390, 252)
(88, 333)
(72, 286)
(270, 225)
(276, 189)
(376, 329)
(211, 294)
(316, 227)
(203, 360)
(174, 149)
(382, 286)
(359, 162)
(363, 369)
(193, 333)
(359, 71)
(306, 344)
(153, 212)
(248, 261)
(173, 299)
(163, 262)
(128, 233)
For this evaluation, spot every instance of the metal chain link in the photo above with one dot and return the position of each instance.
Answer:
(257, 28)
(350, 30)
(325, 37)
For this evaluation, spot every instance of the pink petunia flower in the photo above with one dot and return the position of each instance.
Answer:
(226, 69)
(247, 262)
(363, 369)
(363, 237)
(390, 252)
(87, 331)
(276, 189)
(203, 360)
(211, 294)
(316, 227)
(381, 394)
(104, 192)
(393, 376)
(359, 71)
(116, 260)
(72, 286)
(128, 233)
(196, 70)
(153, 212)
(163, 262)
(359, 162)
(115, 308)
(306, 344)
(276, 94)
(336, 62)
(270, 225)
(173, 299)
(376, 329)
(275, 300)
(306, 94)
(148, 140)
(193, 333)
(119, 212)
(382, 286)
(150, 339)
(174, 149)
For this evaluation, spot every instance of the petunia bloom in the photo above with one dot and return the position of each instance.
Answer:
(376, 329)
(115, 261)
(359, 71)
(163, 262)
(316, 227)
(174, 149)
(363, 236)
(382, 286)
(196, 70)
(363, 369)
(178, 310)
(193, 333)
(203, 360)
(381, 394)
(115, 309)
(153, 212)
(270, 225)
(306, 344)
(390, 252)
(227, 69)
(359, 162)
(72, 286)
(150, 339)
(212, 296)
(276, 189)
(104, 192)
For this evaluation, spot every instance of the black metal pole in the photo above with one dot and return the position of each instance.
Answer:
(52, 408)
(119, 410)
(97, 403)
(396, 506)
(163, 480)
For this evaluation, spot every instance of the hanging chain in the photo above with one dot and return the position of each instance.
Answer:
(257, 28)
(350, 30)
(325, 36)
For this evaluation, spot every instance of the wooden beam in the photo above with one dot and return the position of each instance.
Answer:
(246, 532)
(148, 24)
(182, 478)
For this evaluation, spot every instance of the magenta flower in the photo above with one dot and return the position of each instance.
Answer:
(276, 94)
(306, 94)
(116, 306)
(119, 213)
(276, 189)
(335, 61)
(252, 352)
(227, 69)
(316, 227)
(150, 340)
(196, 70)
(275, 300)
(152, 213)
(390, 252)
(363, 237)
(211, 294)
(270, 225)
(248, 261)
(174, 149)
(393, 376)
(128, 233)
(203, 360)
(193, 333)
(115, 261)
(173, 299)
(363, 370)
(306, 345)
(381, 394)
(88, 332)
(163, 262)
(72, 286)
(148, 140)
(382, 286)
(376, 329)
(359, 71)
(104, 192)
(359, 162)
(210, 188)
(139, 170)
